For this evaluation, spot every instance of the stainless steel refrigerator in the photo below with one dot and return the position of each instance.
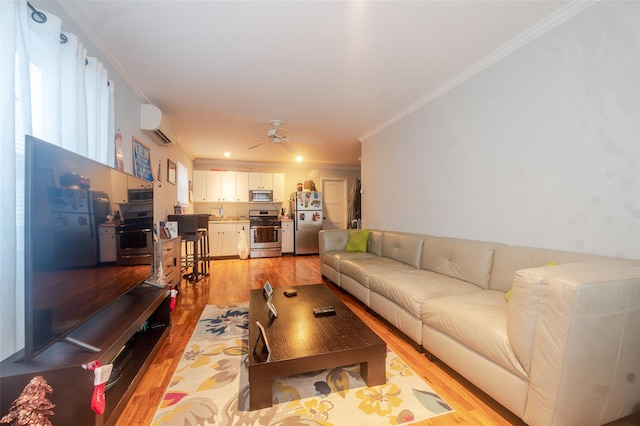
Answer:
(307, 215)
(75, 238)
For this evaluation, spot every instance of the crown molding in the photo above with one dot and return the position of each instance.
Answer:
(541, 28)
(258, 166)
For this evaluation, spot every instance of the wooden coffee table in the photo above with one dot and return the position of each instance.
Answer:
(301, 342)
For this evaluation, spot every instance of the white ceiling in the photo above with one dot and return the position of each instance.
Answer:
(332, 70)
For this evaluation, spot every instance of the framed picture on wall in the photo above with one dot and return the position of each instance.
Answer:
(171, 172)
(142, 160)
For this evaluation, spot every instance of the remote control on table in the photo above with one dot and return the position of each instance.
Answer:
(290, 292)
(324, 311)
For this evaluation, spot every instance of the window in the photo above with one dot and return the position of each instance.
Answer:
(183, 184)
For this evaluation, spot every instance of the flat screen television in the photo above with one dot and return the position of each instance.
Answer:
(68, 280)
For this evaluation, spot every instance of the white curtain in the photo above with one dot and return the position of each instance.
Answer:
(51, 89)
(14, 78)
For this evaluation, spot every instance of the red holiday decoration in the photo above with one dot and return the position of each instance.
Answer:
(101, 373)
(32, 407)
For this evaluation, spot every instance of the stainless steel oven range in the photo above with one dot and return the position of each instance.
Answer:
(134, 237)
(265, 233)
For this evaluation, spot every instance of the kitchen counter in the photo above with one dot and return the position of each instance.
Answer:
(229, 221)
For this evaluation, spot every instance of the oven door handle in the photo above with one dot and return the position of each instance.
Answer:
(142, 230)
(262, 227)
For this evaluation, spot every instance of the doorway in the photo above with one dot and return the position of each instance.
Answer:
(334, 193)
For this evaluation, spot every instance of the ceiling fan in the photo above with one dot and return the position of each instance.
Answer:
(276, 136)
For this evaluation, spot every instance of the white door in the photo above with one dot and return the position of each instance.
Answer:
(334, 194)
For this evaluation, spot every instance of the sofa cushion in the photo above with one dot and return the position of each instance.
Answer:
(466, 260)
(374, 245)
(362, 267)
(507, 260)
(408, 287)
(478, 320)
(333, 258)
(357, 241)
(405, 248)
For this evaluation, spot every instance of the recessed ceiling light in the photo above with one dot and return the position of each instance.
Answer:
(299, 158)
(227, 154)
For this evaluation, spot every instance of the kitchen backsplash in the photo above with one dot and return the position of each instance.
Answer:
(236, 209)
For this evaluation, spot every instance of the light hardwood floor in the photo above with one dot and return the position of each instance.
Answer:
(230, 281)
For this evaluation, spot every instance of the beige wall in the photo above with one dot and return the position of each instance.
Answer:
(540, 149)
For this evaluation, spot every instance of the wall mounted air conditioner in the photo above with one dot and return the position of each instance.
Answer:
(153, 124)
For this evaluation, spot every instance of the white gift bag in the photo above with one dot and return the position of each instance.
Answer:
(243, 246)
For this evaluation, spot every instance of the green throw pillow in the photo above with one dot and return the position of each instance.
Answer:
(507, 295)
(358, 241)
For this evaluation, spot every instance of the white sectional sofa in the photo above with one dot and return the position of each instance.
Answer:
(563, 350)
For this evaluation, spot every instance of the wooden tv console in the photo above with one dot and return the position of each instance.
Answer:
(129, 332)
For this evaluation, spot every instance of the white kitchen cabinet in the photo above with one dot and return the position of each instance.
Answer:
(214, 186)
(242, 187)
(200, 185)
(107, 243)
(228, 186)
(279, 195)
(207, 186)
(137, 183)
(260, 180)
(287, 236)
(222, 239)
(119, 191)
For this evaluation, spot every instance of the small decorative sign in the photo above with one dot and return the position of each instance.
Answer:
(261, 350)
(142, 160)
(267, 290)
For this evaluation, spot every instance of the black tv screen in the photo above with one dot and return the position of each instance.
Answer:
(70, 273)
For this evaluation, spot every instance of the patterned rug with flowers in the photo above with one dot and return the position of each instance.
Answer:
(210, 386)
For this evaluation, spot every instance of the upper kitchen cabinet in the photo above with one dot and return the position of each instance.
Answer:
(137, 183)
(228, 186)
(242, 187)
(278, 188)
(260, 180)
(119, 193)
(200, 185)
(216, 186)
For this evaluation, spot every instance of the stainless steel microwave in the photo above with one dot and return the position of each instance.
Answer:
(261, 196)
(140, 195)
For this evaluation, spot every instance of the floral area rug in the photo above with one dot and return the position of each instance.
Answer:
(210, 386)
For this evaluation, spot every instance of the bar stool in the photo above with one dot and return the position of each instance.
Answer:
(203, 226)
(191, 237)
